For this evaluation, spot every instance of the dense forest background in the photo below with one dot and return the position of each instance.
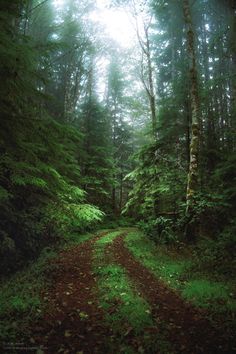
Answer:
(90, 130)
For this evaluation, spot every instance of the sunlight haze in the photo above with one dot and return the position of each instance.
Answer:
(116, 23)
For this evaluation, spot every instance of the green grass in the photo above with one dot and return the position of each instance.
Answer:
(131, 309)
(109, 238)
(126, 311)
(175, 270)
(204, 291)
(157, 260)
(115, 285)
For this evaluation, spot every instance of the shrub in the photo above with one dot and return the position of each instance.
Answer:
(160, 230)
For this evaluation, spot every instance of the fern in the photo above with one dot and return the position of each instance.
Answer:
(4, 194)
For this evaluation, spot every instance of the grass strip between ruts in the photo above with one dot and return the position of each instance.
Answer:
(126, 311)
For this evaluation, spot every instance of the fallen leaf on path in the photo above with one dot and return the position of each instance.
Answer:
(67, 334)
(83, 315)
(40, 351)
(128, 331)
(140, 350)
(80, 336)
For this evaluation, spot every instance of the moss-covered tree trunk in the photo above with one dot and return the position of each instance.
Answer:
(233, 54)
(193, 172)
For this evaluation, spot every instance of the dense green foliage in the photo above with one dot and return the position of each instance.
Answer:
(95, 133)
(158, 197)
(86, 129)
(41, 195)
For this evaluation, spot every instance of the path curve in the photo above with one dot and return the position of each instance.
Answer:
(74, 322)
(189, 331)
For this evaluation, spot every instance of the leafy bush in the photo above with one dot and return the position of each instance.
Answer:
(218, 253)
(112, 222)
(159, 230)
(40, 197)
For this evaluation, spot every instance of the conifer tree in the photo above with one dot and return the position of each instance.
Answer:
(194, 165)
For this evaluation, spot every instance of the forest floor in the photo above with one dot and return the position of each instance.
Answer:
(105, 296)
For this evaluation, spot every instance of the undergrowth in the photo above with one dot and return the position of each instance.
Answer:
(178, 271)
(112, 222)
(20, 297)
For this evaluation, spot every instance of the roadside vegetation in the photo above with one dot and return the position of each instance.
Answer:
(178, 267)
(21, 302)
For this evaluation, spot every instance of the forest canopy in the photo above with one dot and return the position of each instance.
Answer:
(139, 124)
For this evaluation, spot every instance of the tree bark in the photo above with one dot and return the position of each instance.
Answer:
(147, 70)
(233, 53)
(193, 173)
(151, 93)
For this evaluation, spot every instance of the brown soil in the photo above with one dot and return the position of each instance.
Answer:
(73, 322)
(188, 329)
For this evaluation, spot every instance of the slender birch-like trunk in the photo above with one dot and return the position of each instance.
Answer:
(193, 173)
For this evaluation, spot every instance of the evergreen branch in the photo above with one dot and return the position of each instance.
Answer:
(37, 6)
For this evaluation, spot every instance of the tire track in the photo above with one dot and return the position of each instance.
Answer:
(73, 321)
(188, 330)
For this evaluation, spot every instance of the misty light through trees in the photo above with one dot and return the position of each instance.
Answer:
(118, 127)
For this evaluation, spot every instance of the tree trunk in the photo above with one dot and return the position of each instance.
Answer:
(151, 93)
(233, 53)
(147, 72)
(193, 173)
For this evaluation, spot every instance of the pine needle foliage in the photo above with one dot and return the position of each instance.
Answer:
(41, 197)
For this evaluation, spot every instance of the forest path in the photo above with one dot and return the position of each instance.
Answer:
(98, 304)
(186, 327)
(73, 321)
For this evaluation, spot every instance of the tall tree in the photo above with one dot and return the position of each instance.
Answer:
(193, 173)
(143, 22)
(120, 131)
